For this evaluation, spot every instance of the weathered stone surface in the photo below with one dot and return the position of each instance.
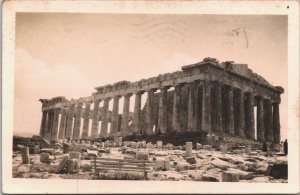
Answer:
(73, 166)
(25, 155)
(142, 156)
(221, 164)
(188, 149)
(278, 170)
(74, 155)
(44, 157)
(62, 164)
(229, 176)
(191, 160)
(241, 174)
(163, 165)
(159, 144)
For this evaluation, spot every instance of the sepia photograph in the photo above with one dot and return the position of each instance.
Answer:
(102, 93)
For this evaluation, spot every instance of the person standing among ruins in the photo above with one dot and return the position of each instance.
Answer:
(265, 147)
(285, 147)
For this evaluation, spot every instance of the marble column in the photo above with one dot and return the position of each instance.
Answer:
(260, 125)
(125, 115)
(95, 121)
(206, 107)
(162, 110)
(191, 108)
(249, 111)
(197, 106)
(54, 131)
(77, 123)
(240, 113)
(104, 123)
(137, 112)
(62, 126)
(70, 115)
(49, 125)
(217, 123)
(43, 124)
(149, 110)
(276, 123)
(115, 116)
(86, 120)
(176, 109)
(268, 121)
(229, 123)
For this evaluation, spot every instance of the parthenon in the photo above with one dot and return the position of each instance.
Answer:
(224, 98)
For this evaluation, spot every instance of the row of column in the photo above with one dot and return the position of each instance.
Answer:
(211, 107)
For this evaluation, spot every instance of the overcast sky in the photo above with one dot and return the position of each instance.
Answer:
(71, 54)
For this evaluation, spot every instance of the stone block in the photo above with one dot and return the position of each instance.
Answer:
(224, 148)
(210, 177)
(73, 166)
(75, 155)
(188, 149)
(25, 155)
(159, 144)
(143, 144)
(170, 146)
(221, 164)
(191, 160)
(150, 145)
(241, 174)
(118, 140)
(44, 157)
(228, 176)
(142, 155)
(163, 165)
(36, 149)
(278, 170)
(198, 146)
(248, 148)
(62, 164)
(92, 153)
(207, 147)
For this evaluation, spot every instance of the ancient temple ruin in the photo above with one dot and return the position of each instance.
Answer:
(209, 96)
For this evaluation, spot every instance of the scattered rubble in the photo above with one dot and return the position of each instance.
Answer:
(204, 163)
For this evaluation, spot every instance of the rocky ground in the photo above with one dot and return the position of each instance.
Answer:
(166, 162)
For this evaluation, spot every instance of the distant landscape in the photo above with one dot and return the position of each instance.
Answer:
(24, 134)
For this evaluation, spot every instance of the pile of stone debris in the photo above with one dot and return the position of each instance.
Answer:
(192, 161)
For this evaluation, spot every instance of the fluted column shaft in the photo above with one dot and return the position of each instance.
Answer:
(217, 112)
(77, 123)
(176, 126)
(49, 125)
(69, 128)
(54, 129)
(250, 129)
(115, 116)
(137, 112)
(260, 125)
(43, 124)
(125, 116)
(268, 121)
(206, 107)
(95, 121)
(62, 126)
(191, 108)
(86, 121)
(149, 109)
(162, 111)
(276, 123)
(229, 123)
(104, 123)
(240, 114)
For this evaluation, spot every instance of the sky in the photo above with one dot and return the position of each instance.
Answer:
(69, 54)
